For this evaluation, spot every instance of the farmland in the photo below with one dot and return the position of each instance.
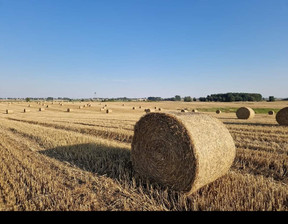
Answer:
(80, 160)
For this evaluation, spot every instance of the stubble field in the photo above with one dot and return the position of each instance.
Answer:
(80, 160)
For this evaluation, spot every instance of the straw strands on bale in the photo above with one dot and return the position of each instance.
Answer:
(282, 116)
(181, 151)
(218, 111)
(245, 113)
(9, 111)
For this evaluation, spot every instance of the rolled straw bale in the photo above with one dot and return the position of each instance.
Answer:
(80, 107)
(271, 112)
(108, 111)
(26, 110)
(47, 106)
(195, 110)
(148, 110)
(140, 107)
(41, 109)
(133, 108)
(69, 109)
(282, 116)
(245, 113)
(159, 109)
(9, 111)
(218, 111)
(181, 151)
(184, 111)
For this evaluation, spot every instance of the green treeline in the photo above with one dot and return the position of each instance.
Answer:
(232, 97)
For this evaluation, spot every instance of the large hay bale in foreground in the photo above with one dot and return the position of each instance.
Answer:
(282, 116)
(182, 151)
(245, 113)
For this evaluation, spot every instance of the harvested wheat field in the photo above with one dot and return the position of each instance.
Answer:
(81, 161)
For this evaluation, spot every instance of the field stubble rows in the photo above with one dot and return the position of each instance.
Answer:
(54, 160)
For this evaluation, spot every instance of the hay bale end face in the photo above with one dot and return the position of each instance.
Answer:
(26, 110)
(69, 109)
(218, 111)
(282, 116)
(245, 113)
(41, 109)
(194, 110)
(108, 111)
(184, 111)
(181, 151)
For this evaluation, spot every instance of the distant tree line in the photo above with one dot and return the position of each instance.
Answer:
(232, 97)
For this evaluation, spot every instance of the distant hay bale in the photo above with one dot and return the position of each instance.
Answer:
(108, 111)
(69, 109)
(26, 110)
(245, 113)
(182, 151)
(80, 107)
(133, 108)
(184, 111)
(159, 109)
(155, 108)
(194, 110)
(123, 105)
(47, 106)
(41, 109)
(282, 116)
(29, 105)
(271, 112)
(9, 111)
(147, 110)
(140, 107)
(218, 111)
(101, 109)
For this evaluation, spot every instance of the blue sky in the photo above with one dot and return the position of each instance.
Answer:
(142, 48)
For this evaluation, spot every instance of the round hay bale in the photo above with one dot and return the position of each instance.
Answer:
(9, 111)
(26, 110)
(41, 109)
(159, 109)
(133, 108)
(271, 112)
(218, 111)
(148, 110)
(108, 111)
(194, 110)
(181, 151)
(80, 107)
(69, 109)
(282, 116)
(245, 113)
(184, 111)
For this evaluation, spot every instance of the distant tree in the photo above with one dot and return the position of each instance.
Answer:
(194, 99)
(271, 98)
(202, 99)
(187, 99)
(177, 98)
(27, 99)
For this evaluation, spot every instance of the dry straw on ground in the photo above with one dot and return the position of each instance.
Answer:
(245, 113)
(181, 151)
(282, 116)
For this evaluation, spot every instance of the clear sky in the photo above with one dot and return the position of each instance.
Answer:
(142, 48)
